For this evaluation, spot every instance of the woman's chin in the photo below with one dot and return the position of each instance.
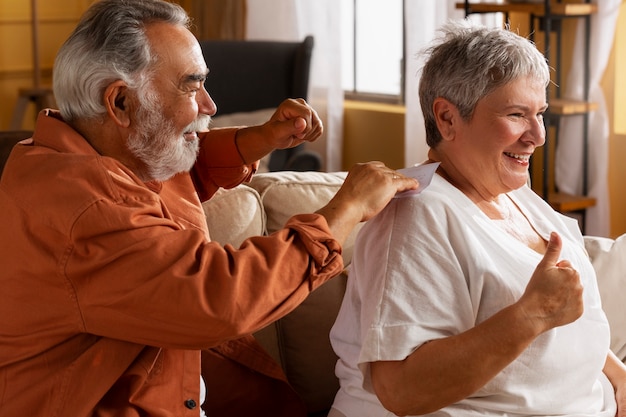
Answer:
(521, 181)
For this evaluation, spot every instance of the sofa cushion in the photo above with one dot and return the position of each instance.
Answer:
(306, 353)
(287, 193)
(234, 215)
(608, 257)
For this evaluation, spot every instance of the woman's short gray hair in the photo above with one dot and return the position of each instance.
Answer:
(108, 44)
(467, 62)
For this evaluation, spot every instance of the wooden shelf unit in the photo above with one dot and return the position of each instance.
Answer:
(546, 13)
(569, 9)
(563, 107)
(566, 203)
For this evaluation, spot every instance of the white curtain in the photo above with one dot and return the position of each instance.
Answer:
(569, 158)
(422, 19)
(292, 20)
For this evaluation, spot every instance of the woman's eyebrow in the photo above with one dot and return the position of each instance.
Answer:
(523, 107)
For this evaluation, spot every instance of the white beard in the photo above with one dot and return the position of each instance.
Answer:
(156, 143)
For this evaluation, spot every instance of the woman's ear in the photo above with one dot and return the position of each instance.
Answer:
(446, 116)
(117, 103)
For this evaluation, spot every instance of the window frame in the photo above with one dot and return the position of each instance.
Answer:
(356, 95)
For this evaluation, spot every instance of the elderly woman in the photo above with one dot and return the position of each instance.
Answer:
(475, 298)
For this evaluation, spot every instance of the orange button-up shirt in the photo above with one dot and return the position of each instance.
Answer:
(110, 287)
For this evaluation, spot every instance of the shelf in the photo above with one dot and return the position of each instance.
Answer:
(564, 107)
(537, 9)
(564, 203)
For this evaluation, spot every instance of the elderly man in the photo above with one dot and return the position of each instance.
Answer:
(110, 284)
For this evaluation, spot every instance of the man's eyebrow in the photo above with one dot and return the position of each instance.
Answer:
(192, 78)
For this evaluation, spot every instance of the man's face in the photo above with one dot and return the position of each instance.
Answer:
(174, 106)
(163, 148)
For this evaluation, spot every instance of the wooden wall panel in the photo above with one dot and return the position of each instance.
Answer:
(56, 20)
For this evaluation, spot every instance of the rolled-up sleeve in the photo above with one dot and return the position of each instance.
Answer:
(219, 163)
(173, 288)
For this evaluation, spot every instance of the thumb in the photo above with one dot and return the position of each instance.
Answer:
(299, 124)
(289, 129)
(553, 250)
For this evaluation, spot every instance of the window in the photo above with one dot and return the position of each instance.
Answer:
(373, 48)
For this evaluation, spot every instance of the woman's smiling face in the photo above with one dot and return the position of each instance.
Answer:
(489, 154)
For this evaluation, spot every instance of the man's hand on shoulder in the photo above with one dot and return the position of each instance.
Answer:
(368, 188)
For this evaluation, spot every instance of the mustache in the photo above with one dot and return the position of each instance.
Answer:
(201, 124)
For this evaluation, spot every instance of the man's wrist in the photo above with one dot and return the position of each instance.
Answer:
(238, 148)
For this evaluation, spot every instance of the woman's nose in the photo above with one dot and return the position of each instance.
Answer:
(537, 131)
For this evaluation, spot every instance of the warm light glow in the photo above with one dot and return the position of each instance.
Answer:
(619, 105)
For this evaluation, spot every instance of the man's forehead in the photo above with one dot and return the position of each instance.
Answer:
(177, 51)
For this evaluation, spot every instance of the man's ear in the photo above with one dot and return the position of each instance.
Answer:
(447, 116)
(117, 103)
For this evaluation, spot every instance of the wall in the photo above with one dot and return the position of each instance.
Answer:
(56, 21)
(373, 131)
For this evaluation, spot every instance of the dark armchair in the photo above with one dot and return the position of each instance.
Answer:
(246, 76)
(8, 139)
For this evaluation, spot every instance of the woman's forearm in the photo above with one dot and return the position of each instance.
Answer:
(445, 371)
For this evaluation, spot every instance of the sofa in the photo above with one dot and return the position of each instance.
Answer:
(299, 341)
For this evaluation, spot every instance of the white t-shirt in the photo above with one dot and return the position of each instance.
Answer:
(434, 265)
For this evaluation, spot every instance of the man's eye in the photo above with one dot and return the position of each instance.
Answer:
(194, 87)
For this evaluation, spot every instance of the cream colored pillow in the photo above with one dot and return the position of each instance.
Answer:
(287, 193)
(234, 215)
(608, 257)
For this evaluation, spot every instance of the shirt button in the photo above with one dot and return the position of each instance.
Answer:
(190, 404)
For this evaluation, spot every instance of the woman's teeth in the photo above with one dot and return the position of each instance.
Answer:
(524, 158)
